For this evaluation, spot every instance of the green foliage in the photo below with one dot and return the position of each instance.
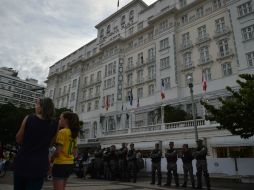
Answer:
(237, 112)
(11, 118)
(174, 114)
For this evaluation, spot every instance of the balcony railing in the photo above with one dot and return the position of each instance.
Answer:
(221, 31)
(182, 124)
(205, 60)
(203, 38)
(225, 54)
(187, 66)
(186, 45)
(162, 128)
(129, 84)
(140, 81)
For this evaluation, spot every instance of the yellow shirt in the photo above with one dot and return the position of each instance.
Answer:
(68, 144)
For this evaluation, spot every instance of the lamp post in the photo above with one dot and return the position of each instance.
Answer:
(190, 83)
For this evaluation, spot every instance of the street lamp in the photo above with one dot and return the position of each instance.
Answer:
(190, 83)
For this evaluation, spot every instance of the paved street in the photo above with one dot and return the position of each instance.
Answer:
(142, 184)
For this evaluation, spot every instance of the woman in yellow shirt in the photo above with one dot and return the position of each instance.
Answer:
(66, 149)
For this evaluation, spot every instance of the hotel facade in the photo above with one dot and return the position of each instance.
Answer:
(114, 82)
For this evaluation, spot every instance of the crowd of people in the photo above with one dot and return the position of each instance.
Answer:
(39, 132)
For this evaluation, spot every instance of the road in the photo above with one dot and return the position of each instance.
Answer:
(143, 184)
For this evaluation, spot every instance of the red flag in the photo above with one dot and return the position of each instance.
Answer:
(204, 83)
(162, 90)
(106, 103)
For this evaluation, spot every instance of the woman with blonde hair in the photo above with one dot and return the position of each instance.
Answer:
(66, 149)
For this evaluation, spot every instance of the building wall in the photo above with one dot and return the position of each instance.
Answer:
(17, 91)
(170, 29)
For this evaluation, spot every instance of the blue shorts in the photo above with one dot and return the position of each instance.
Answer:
(62, 171)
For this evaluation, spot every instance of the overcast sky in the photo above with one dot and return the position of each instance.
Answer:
(34, 34)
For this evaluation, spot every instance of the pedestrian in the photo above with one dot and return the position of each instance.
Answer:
(171, 156)
(122, 156)
(113, 163)
(156, 164)
(132, 164)
(187, 158)
(106, 160)
(36, 134)
(66, 149)
(98, 162)
(201, 164)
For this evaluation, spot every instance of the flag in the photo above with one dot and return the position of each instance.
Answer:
(106, 103)
(117, 3)
(130, 97)
(204, 83)
(162, 90)
(138, 103)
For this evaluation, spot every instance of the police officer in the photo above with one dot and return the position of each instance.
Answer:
(200, 155)
(106, 159)
(171, 156)
(98, 162)
(122, 156)
(156, 164)
(113, 163)
(132, 164)
(187, 158)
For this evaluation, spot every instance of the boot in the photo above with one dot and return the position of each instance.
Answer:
(184, 184)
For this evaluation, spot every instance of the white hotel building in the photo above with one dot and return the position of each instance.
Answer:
(139, 46)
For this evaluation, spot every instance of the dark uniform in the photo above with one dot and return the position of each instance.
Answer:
(122, 156)
(200, 155)
(98, 163)
(106, 160)
(171, 156)
(156, 164)
(132, 164)
(113, 163)
(187, 158)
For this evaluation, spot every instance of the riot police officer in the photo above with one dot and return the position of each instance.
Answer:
(171, 156)
(98, 163)
(187, 157)
(106, 159)
(201, 164)
(113, 163)
(132, 164)
(156, 164)
(122, 156)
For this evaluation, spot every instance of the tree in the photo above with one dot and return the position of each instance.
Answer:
(237, 112)
(174, 114)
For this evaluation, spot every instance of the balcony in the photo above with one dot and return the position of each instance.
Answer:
(202, 39)
(225, 54)
(140, 81)
(151, 77)
(129, 68)
(221, 32)
(159, 128)
(186, 45)
(151, 60)
(129, 84)
(187, 66)
(205, 60)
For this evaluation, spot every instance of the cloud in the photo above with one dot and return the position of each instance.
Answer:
(36, 34)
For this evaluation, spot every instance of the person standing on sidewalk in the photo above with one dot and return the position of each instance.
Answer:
(201, 164)
(122, 155)
(36, 134)
(171, 156)
(66, 149)
(156, 164)
(132, 164)
(187, 158)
